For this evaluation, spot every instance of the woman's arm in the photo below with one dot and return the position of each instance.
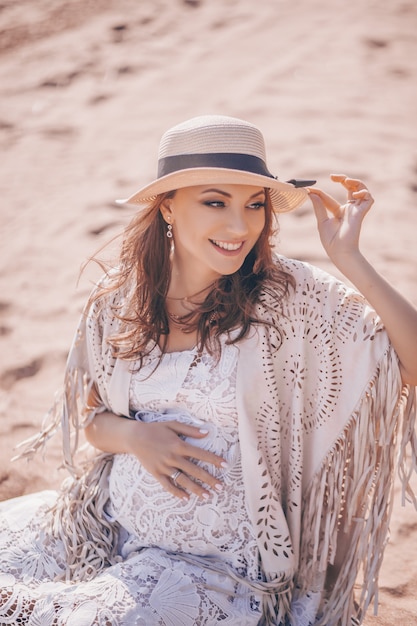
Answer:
(339, 227)
(160, 448)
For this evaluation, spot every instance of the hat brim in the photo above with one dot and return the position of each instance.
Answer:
(284, 196)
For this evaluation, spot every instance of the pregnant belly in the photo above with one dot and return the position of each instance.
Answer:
(155, 517)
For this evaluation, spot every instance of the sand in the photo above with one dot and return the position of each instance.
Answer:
(87, 88)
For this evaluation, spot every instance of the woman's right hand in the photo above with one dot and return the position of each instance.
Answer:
(161, 449)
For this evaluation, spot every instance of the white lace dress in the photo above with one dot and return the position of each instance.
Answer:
(181, 561)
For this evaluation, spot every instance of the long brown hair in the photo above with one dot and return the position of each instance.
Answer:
(143, 274)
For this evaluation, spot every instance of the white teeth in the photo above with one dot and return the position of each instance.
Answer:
(227, 246)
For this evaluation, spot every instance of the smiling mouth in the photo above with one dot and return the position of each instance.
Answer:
(224, 245)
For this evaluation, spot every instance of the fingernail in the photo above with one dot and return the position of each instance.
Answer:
(224, 465)
(205, 496)
(203, 431)
(218, 487)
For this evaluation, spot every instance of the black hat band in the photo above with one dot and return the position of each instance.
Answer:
(232, 161)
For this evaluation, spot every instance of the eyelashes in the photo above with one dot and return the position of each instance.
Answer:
(219, 204)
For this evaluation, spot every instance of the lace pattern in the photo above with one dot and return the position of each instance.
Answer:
(148, 589)
(149, 586)
(192, 389)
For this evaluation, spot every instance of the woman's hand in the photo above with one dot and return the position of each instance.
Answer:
(339, 225)
(161, 449)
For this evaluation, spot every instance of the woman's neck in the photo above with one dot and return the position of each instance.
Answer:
(188, 289)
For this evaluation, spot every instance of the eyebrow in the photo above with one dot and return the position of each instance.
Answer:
(228, 195)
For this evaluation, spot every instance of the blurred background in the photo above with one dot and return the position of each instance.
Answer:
(87, 87)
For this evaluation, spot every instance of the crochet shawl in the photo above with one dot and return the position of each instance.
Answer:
(324, 423)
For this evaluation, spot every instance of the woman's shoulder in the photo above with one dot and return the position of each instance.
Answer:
(313, 290)
(107, 298)
(111, 287)
(304, 272)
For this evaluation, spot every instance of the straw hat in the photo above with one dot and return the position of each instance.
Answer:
(217, 149)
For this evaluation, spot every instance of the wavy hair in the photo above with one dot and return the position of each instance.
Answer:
(143, 275)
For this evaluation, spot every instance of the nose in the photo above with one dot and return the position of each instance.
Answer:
(237, 222)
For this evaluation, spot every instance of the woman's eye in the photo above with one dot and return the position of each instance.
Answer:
(214, 203)
(219, 204)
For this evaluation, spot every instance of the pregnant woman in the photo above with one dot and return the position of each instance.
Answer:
(242, 412)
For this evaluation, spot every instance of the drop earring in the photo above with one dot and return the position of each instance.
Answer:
(169, 231)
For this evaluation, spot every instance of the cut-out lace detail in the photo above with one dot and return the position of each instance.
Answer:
(150, 586)
(193, 389)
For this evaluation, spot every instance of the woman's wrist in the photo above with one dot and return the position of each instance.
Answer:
(113, 433)
(357, 269)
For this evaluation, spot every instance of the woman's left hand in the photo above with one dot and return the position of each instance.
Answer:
(340, 225)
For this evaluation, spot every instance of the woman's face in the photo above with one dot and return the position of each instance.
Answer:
(214, 227)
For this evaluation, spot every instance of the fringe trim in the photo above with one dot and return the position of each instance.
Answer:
(276, 607)
(79, 520)
(276, 594)
(76, 415)
(51, 423)
(407, 465)
(352, 493)
(69, 413)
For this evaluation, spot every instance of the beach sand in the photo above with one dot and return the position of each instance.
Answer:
(87, 88)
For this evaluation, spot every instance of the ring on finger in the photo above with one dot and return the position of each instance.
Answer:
(175, 475)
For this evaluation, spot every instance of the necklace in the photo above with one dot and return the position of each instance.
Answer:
(178, 321)
(189, 298)
(175, 318)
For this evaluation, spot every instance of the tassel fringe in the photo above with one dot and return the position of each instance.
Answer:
(69, 414)
(80, 522)
(352, 495)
